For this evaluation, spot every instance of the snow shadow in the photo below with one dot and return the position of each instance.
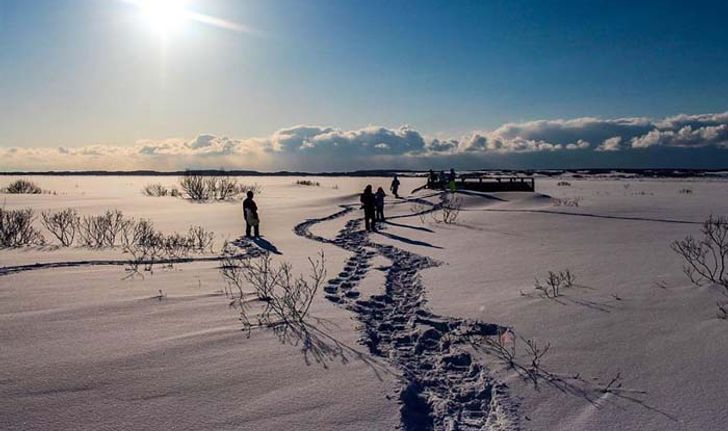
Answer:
(407, 240)
(266, 245)
(407, 226)
(318, 346)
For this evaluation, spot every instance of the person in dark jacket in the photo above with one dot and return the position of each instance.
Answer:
(379, 204)
(368, 204)
(250, 213)
(431, 179)
(395, 186)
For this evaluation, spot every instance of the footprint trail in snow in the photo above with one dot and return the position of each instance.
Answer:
(444, 387)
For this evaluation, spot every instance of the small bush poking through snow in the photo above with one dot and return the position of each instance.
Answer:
(22, 186)
(420, 210)
(245, 188)
(103, 230)
(194, 187)
(722, 312)
(157, 190)
(536, 353)
(567, 202)
(16, 228)
(144, 244)
(450, 210)
(503, 345)
(200, 239)
(308, 183)
(200, 188)
(705, 259)
(563, 184)
(111, 229)
(286, 298)
(221, 188)
(554, 282)
(147, 246)
(62, 224)
(614, 383)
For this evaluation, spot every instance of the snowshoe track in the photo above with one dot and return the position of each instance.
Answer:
(443, 387)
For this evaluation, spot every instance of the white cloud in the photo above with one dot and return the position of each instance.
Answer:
(699, 120)
(579, 145)
(328, 148)
(686, 136)
(565, 132)
(493, 142)
(610, 144)
(366, 141)
(442, 146)
(203, 151)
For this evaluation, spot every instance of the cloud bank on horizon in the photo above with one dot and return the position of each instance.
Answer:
(581, 142)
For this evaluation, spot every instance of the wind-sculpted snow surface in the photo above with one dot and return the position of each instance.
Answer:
(443, 387)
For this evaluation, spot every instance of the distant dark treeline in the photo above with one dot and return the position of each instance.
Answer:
(213, 172)
(655, 173)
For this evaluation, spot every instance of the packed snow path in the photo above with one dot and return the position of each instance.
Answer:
(443, 388)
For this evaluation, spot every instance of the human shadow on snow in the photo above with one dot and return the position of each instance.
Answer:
(407, 226)
(407, 240)
(266, 245)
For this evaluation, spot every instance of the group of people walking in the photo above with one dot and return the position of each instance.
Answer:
(373, 204)
(442, 180)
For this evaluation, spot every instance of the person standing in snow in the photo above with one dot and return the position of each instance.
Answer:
(451, 181)
(368, 204)
(394, 188)
(431, 179)
(379, 204)
(250, 213)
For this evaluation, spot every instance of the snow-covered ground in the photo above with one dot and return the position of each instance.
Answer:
(85, 348)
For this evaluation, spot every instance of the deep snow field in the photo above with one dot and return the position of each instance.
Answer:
(83, 347)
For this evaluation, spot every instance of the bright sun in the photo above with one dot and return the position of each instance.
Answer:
(164, 15)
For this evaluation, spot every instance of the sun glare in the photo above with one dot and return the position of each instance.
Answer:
(167, 15)
(164, 15)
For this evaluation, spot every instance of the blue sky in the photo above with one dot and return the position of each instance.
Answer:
(85, 81)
